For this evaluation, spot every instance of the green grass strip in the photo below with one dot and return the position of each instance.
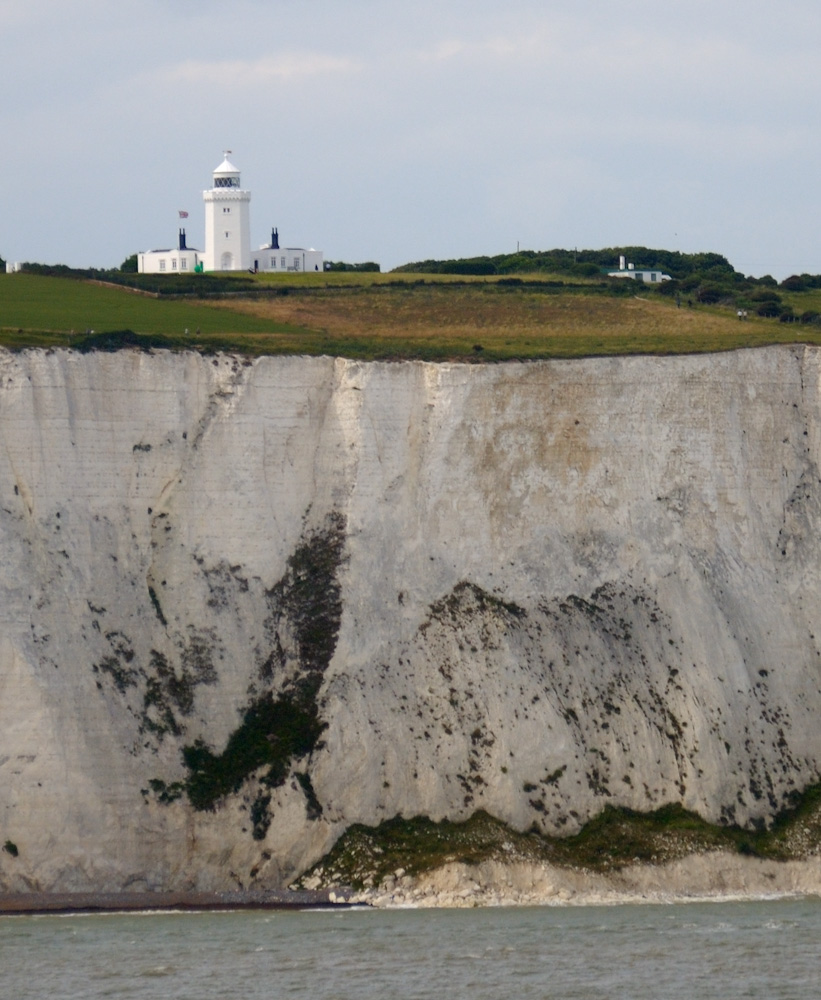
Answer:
(37, 311)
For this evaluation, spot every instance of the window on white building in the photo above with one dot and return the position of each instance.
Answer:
(183, 264)
(296, 263)
(173, 263)
(273, 262)
(227, 235)
(283, 262)
(226, 211)
(162, 265)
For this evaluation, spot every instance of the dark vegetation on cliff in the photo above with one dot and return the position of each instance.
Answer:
(534, 304)
(281, 724)
(364, 856)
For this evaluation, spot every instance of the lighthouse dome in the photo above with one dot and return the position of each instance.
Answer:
(226, 174)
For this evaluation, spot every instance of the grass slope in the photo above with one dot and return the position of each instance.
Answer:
(38, 311)
(493, 321)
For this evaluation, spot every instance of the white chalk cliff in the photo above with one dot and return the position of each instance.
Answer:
(358, 590)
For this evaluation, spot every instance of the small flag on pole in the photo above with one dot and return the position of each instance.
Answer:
(183, 215)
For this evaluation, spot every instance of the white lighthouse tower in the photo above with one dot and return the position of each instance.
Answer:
(227, 221)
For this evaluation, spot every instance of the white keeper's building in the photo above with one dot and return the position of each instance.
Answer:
(228, 237)
(177, 261)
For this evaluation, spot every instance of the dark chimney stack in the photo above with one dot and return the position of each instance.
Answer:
(275, 239)
(182, 240)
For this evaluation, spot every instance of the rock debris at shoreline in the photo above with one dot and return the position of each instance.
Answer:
(714, 876)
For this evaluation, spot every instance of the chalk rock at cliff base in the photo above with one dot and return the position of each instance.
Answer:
(712, 876)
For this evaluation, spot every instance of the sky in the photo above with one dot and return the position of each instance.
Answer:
(388, 132)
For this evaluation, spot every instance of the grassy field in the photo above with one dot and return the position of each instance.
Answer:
(385, 316)
(37, 310)
(488, 320)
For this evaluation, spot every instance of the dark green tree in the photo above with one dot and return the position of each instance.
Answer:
(341, 265)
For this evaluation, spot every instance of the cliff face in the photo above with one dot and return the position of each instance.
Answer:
(244, 605)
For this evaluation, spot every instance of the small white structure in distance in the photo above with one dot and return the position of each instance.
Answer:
(13, 266)
(647, 274)
(182, 260)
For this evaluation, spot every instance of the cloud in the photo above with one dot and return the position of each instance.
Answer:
(489, 48)
(609, 58)
(244, 73)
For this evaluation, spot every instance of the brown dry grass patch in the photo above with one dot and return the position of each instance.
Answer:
(431, 319)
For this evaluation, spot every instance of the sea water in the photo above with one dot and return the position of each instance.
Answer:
(767, 949)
